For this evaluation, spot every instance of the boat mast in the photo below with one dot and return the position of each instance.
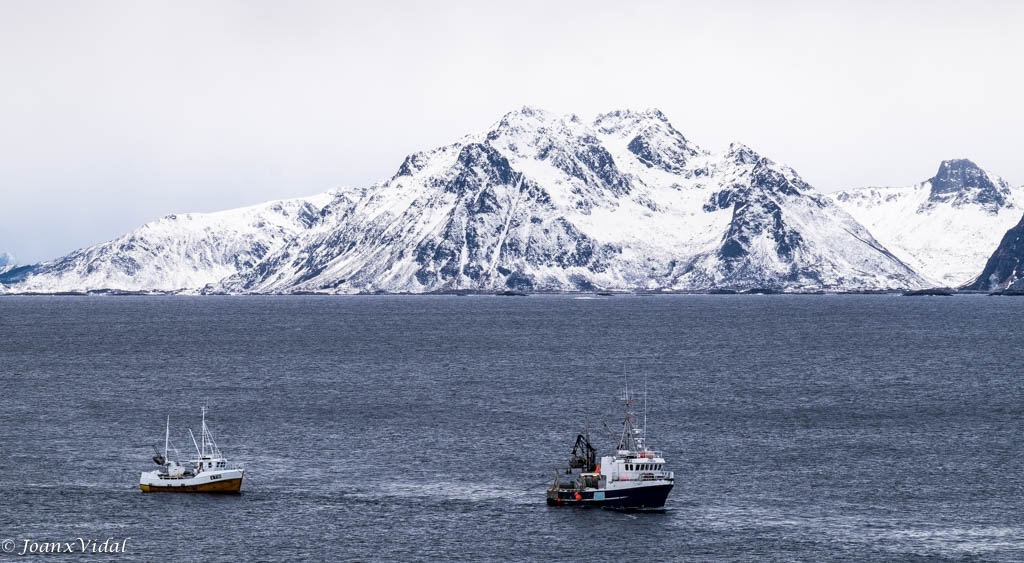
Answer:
(203, 438)
(624, 438)
(645, 411)
(628, 440)
(193, 436)
(167, 436)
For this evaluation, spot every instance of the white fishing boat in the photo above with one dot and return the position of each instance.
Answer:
(208, 472)
(634, 478)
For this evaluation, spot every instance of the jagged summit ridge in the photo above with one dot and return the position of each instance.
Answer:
(536, 202)
(962, 182)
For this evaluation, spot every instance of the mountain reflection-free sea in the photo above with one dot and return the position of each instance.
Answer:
(816, 427)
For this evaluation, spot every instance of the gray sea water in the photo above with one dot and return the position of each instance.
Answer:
(800, 428)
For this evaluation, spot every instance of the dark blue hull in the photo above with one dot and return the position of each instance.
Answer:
(653, 496)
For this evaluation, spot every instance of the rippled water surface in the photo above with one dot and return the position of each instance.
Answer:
(403, 428)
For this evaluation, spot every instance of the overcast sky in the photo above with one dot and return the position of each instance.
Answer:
(113, 114)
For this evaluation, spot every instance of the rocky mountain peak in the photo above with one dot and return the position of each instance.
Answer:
(962, 182)
(571, 148)
(527, 117)
(741, 154)
(650, 137)
(529, 129)
(617, 120)
(412, 164)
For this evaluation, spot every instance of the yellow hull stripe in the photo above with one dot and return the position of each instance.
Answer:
(225, 486)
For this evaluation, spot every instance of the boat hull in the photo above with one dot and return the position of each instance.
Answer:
(224, 486)
(652, 496)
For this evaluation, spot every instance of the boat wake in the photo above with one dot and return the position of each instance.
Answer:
(440, 491)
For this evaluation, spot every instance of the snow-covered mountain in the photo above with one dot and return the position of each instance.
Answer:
(1005, 268)
(542, 202)
(944, 227)
(536, 202)
(186, 251)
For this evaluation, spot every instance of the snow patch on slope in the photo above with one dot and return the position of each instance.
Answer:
(947, 237)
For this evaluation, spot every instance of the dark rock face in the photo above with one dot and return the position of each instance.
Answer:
(600, 162)
(309, 215)
(766, 178)
(479, 164)
(720, 200)
(17, 274)
(1005, 268)
(962, 182)
(754, 215)
(589, 162)
(671, 158)
(489, 238)
(411, 165)
(756, 211)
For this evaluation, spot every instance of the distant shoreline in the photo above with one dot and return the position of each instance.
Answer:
(477, 293)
